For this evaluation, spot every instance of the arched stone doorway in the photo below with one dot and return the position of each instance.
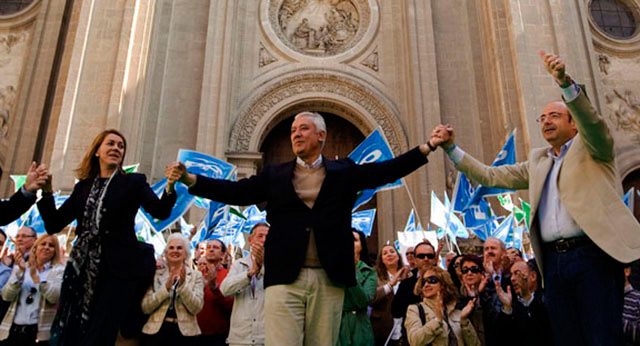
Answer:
(342, 138)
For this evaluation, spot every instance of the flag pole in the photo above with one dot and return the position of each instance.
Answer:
(415, 209)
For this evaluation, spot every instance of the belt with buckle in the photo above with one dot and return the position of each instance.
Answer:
(171, 319)
(25, 329)
(568, 244)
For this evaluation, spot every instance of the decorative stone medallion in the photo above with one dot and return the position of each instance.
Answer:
(319, 28)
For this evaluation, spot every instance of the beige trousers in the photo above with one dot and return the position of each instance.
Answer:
(306, 312)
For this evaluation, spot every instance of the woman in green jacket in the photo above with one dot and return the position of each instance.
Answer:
(355, 328)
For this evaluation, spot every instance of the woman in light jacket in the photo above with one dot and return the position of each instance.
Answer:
(174, 299)
(435, 321)
(32, 290)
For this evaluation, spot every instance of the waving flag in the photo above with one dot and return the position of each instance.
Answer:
(254, 216)
(506, 156)
(504, 229)
(442, 216)
(18, 181)
(462, 193)
(411, 223)
(629, 199)
(373, 149)
(363, 221)
(514, 239)
(196, 163)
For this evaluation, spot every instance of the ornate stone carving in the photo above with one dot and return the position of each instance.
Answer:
(603, 63)
(320, 27)
(265, 58)
(293, 88)
(625, 112)
(371, 61)
(7, 104)
(9, 41)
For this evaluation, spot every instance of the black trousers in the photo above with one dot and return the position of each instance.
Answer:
(169, 335)
(23, 335)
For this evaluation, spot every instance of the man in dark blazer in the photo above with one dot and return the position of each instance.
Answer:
(22, 200)
(309, 250)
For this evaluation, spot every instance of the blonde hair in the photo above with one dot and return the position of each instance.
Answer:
(33, 252)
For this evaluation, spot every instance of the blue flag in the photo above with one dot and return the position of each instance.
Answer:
(373, 149)
(462, 193)
(502, 232)
(254, 216)
(506, 156)
(629, 199)
(411, 223)
(363, 221)
(196, 163)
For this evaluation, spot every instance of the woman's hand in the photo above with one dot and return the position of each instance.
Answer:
(18, 257)
(466, 311)
(34, 275)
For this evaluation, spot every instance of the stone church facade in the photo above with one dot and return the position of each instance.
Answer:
(224, 77)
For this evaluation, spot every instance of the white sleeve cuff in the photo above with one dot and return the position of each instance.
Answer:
(571, 92)
(456, 155)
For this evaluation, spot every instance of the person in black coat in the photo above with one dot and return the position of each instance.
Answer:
(22, 200)
(107, 264)
(309, 204)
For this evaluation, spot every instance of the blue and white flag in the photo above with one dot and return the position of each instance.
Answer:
(196, 163)
(477, 215)
(506, 156)
(462, 193)
(254, 216)
(444, 218)
(514, 239)
(373, 149)
(363, 221)
(411, 223)
(502, 232)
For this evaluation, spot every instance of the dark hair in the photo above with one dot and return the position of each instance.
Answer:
(475, 259)
(424, 243)
(380, 267)
(364, 249)
(222, 246)
(518, 251)
(452, 271)
(258, 225)
(3, 234)
(90, 165)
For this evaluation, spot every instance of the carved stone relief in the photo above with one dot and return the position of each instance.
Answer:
(12, 49)
(320, 27)
(625, 112)
(292, 89)
(371, 61)
(264, 57)
(603, 63)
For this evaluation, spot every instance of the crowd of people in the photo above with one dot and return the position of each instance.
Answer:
(308, 278)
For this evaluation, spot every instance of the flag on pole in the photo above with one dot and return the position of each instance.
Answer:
(373, 149)
(506, 156)
(504, 229)
(18, 181)
(526, 208)
(254, 216)
(444, 218)
(363, 220)
(131, 168)
(462, 192)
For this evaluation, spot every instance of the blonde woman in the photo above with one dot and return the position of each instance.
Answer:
(32, 290)
(174, 299)
(436, 321)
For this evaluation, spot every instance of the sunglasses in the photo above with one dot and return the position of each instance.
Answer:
(474, 270)
(431, 280)
(426, 255)
(29, 299)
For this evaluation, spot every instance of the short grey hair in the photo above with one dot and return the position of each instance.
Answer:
(318, 120)
(185, 246)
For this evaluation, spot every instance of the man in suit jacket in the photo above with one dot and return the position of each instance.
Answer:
(580, 229)
(22, 200)
(309, 250)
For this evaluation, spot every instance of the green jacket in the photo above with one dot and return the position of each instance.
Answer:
(355, 328)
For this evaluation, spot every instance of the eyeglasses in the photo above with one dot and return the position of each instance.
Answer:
(29, 299)
(427, 255)
(25, 236)
(409, 253)
(431, 280)
(552, 116)
(474, 270)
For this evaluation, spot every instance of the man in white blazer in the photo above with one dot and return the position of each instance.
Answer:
(580, 229)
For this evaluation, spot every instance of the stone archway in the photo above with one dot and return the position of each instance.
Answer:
(355, 100)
